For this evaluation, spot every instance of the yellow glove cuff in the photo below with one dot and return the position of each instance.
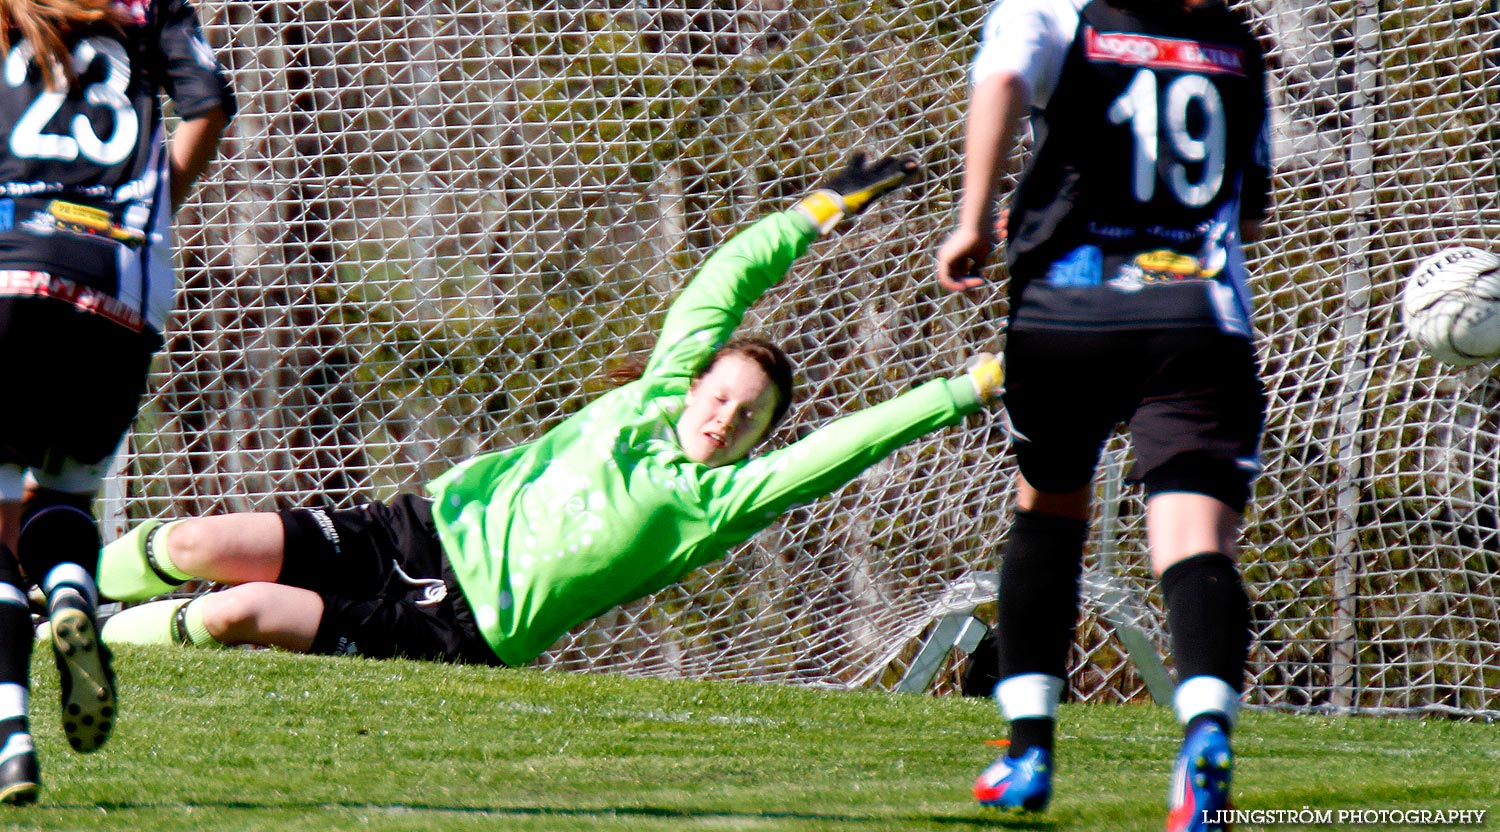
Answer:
(823, 208)
(988, 376)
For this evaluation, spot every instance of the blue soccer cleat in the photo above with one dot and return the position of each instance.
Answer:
(1200, 782)
(1023, 782)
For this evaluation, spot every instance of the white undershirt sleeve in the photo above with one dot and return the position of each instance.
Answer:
(1029, 38)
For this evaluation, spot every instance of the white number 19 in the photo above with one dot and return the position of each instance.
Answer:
(1138, 106)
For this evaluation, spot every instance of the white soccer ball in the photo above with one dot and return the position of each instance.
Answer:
(1451, 305)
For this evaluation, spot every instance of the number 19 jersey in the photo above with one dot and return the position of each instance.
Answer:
(1150, 145)
(84, 176)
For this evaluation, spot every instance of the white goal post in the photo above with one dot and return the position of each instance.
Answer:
(436, 222)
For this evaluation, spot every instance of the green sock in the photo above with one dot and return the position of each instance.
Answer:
(136, 566)
(156, 549)
(190, 623)
(175, 621)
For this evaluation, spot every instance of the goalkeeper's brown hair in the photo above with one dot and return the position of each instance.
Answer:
(769, 357)
(50, 26)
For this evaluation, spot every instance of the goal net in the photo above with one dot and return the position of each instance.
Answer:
(436, 223)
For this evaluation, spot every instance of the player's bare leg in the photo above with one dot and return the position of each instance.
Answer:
(270, 615)
(1072, 504)
(258, 613)
(1180, 525)
(156, 557)
(229, 548)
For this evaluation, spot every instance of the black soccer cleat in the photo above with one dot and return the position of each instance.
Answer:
(20, 776)
(83, 667)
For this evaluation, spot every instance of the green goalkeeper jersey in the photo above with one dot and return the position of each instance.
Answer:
(605, 507)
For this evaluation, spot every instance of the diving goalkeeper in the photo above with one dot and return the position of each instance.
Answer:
(510, 550)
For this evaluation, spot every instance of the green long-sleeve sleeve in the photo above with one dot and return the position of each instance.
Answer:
(752, 494)
(733, 278)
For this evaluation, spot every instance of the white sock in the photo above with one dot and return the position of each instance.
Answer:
(1205, 695)
(73, 575)
(14, 699)
(1029, 695)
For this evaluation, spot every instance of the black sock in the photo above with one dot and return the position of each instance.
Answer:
(61, 530)
(1030, 732)
(1208, 614)
(1039, 572)
(16, 634)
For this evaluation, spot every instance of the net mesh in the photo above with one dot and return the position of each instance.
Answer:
(435, 224)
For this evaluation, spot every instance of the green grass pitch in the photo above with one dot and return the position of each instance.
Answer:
(240, 740)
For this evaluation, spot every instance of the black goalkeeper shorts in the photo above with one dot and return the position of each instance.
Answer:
(1192, 399)
(386, 585)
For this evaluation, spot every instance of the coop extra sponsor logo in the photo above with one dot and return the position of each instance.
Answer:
(1163, 53)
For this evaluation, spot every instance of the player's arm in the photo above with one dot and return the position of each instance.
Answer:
(1255, 191)
(188, 71)
(995, 111)
(1255, 187)
(1020, 58)
(195, 142)
(750, 495)
(752, 261)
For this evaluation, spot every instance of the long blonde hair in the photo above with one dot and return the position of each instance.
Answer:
(47, 25)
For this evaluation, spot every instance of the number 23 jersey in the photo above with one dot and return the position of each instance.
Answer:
(84, 175)
(1150, 146)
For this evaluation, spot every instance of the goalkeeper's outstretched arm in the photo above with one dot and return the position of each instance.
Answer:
(757, 491)
(708, 311)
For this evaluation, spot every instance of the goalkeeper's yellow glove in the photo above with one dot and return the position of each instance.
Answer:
(853, 189)
(987, 374)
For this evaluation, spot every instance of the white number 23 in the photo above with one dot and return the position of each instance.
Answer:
(29, 138)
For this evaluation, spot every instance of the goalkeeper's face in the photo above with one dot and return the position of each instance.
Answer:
(729, 409)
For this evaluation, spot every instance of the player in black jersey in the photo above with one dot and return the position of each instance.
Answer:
(1128, 304)
(88, 186)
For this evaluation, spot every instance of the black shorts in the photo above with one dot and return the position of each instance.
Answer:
(1186, 394)
(386, 585)
(73, 382)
